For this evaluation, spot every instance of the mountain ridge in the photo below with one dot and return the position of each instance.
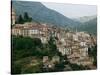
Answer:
(89, 26)
(84, 19)
(41, 13)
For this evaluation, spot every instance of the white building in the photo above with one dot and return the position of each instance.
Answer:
(75, 37)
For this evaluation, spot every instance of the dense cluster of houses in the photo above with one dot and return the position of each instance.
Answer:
(32, 30)
(47, 63)
(73, 44)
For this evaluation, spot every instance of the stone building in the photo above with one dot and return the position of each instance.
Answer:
(13, 16)
(33, 30)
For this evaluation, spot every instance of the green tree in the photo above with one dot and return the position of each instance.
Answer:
(30, 19)
(27, 18)
(25, 46)
(93, 53)
(16, 68)
(59, 66)
(52, 45)
(32, 69)
(20, 20)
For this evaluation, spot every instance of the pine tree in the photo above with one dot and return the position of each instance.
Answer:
(26, 17)
(20, 19)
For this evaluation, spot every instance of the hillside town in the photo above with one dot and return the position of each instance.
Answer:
(73, 44)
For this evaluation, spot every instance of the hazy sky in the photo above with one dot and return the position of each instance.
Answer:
(73, 11)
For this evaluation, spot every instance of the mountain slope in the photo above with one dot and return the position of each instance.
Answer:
(85, 18)
(41, 13)
(90, 26)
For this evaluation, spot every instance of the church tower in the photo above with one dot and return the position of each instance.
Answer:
(13, 16)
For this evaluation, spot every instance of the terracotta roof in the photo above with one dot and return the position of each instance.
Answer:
(30, 26)
(74, 55)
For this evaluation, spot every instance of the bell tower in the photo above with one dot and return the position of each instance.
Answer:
(13, 16)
